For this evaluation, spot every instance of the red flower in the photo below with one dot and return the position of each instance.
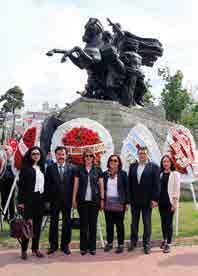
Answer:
(78, 137)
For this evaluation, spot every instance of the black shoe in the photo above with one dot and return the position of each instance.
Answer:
(119, 249)
(51, 251)
(131, 246)
(37, 253)
(166, 248)
(108, 247)
(24, 255)
(147, 249)
(162, 245)
(92, 252)
(83, 252)
(67, 251)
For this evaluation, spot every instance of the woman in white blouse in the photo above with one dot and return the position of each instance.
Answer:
(116, 201)
(169, 200)
(31, 197)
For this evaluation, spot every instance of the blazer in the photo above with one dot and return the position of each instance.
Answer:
(174, 187)
(26, 186)
(55, 189)
(122, 184)
(141, 194)
(95, 173)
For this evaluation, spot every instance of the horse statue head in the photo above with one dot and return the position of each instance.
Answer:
(93, 31)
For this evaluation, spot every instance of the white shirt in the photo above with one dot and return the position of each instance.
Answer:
(112, 187)
(140, 170)
(39, 185)
(88, 196)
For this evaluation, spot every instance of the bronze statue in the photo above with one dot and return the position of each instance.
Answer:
(113, 62)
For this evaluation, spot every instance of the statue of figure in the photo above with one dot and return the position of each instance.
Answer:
(113, 62)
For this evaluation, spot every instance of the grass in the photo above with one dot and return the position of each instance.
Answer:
(188, 225)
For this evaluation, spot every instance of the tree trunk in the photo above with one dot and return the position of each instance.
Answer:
(13, 123)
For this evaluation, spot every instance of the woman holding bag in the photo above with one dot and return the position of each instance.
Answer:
(169, 200)
(30, 197)
(116, 202)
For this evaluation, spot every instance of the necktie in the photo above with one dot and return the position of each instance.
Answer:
(61, 171)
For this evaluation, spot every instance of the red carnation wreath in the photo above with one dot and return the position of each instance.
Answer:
(25, 143)
(79, 139)
(181, 151)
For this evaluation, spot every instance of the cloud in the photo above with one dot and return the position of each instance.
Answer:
(30, 28)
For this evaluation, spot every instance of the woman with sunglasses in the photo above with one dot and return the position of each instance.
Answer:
(169, 199)
(116, 201)
(88, 198)
(30, 197)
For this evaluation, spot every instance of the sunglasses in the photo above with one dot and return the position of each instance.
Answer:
(114, 160)
(35, 153)
(89, 155)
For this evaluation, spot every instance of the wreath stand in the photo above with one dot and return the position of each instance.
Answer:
(10, 196)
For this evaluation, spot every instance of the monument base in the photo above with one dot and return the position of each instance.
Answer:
(118, 119)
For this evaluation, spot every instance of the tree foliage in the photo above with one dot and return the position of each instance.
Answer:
(12, 100)
(148, 96)
(174, 97)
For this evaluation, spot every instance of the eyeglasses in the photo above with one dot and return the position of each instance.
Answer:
(35, 153)
(114, 160)
(89, 155)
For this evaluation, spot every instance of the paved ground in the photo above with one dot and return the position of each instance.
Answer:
(182, 261)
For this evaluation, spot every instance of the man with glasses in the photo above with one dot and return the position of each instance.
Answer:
(144, 190)
(59, 189)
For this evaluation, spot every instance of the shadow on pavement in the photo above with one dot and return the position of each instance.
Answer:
(8, 257)
(187, 259)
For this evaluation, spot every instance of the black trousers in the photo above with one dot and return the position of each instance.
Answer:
(146, 218)
(5, 191)
(115, 218)
(57, 208)
(166, 223)
(88, 213)
(34, 211)
(37, 222)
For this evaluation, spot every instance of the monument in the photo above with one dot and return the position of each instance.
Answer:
(115, 84)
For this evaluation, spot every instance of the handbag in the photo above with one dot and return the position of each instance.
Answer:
(113, 204)
(20, 228)
(75, 221)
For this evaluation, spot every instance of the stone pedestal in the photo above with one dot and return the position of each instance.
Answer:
(118, 119)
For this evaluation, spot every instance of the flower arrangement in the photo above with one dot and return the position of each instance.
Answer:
(181, 150)
(80, 138)
(25, 143)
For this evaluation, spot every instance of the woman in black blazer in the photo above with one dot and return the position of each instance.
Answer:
(30, 196)
(116, 201)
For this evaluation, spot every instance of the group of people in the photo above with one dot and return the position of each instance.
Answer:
(63, 186)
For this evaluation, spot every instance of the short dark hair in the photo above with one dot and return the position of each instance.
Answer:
(85, 152)
(171, 161)
(60, 148)
(119, 161)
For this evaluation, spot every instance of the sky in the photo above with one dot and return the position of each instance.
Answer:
(29, 28)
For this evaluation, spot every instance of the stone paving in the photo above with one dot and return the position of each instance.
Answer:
(181, 261)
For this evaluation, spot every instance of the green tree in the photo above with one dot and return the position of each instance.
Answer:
(174, 97)
(190, 116)
(148, 96)
(13, 99)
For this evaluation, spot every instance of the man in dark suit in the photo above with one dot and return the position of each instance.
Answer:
(144, 190)
(58, 191)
